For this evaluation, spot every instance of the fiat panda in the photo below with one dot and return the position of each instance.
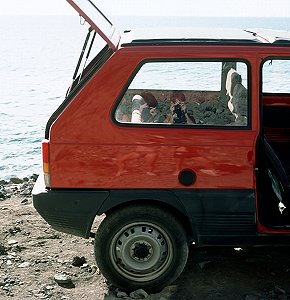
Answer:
(177, 137)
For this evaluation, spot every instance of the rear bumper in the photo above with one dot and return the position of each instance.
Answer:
(68, 210)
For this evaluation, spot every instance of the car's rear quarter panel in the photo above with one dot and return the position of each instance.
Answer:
(88, 150)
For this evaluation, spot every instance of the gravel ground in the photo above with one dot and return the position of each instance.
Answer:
(37, 262)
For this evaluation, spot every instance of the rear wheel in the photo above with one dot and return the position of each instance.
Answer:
(141, 247)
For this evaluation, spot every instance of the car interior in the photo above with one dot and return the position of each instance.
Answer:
(274, 161)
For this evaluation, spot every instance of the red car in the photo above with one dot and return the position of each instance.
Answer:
(178, 137)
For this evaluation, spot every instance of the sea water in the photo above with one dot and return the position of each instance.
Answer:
(38, 55)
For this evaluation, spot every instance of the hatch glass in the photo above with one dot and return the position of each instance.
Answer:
(97, 20)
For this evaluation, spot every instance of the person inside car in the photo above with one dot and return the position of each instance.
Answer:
(144, 108)
(179, 114)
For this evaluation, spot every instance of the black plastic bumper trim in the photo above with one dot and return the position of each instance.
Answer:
(68, 210)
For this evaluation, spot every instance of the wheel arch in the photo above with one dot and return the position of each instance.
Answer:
(166, 200)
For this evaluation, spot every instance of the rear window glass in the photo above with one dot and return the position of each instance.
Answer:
(188, 93)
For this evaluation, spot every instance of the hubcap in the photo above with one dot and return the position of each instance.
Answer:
(141, 251)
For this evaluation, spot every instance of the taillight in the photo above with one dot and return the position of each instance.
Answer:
(45, 162)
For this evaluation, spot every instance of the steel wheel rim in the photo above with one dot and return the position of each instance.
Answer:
(141, 251)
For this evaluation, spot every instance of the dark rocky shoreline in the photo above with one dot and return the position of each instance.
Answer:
(17, 186)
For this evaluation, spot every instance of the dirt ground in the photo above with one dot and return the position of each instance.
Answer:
(31, 254)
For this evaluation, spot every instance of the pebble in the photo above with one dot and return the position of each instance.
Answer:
(251, 297)
(3, 250)
(34, 177)
(95, 269)
(25, 264)
(8, 262)
(24, 201)
(16, 180)
(121, 294)
(139, 294)
(78, 261)
(26, 192)
(14, 230)
(84, 266)
(203, 264)
(279, 290)
(3, 194)
(62, 278)
(12, 242)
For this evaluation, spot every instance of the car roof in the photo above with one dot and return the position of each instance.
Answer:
(100, 23)
(165, 36)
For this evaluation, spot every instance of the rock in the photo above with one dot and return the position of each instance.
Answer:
(9, 262)
(3, 182)
(12, 242)
(139, 294)
(78, 261)
(25, 264)
(16, 180)
(24, 201)
(279, 290)
(121, 294)
(95, 269)
(85, 266)
(3, 194)
(203, 264)
(238, 249)
(14, 230)
(251, 297)
(34, 177)
(26, 191)
(62, 278)
(3, 250)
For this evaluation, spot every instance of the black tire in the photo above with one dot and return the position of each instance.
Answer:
(141, 246)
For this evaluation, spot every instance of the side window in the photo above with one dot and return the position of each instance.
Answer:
(276, 77)
(187, 93)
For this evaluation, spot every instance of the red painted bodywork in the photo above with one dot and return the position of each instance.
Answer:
(123, 157)
(89, 150)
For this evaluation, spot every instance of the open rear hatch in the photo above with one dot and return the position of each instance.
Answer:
(91, 57)
(97, 20)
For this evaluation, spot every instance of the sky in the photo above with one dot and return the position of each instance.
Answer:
(219, 8)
